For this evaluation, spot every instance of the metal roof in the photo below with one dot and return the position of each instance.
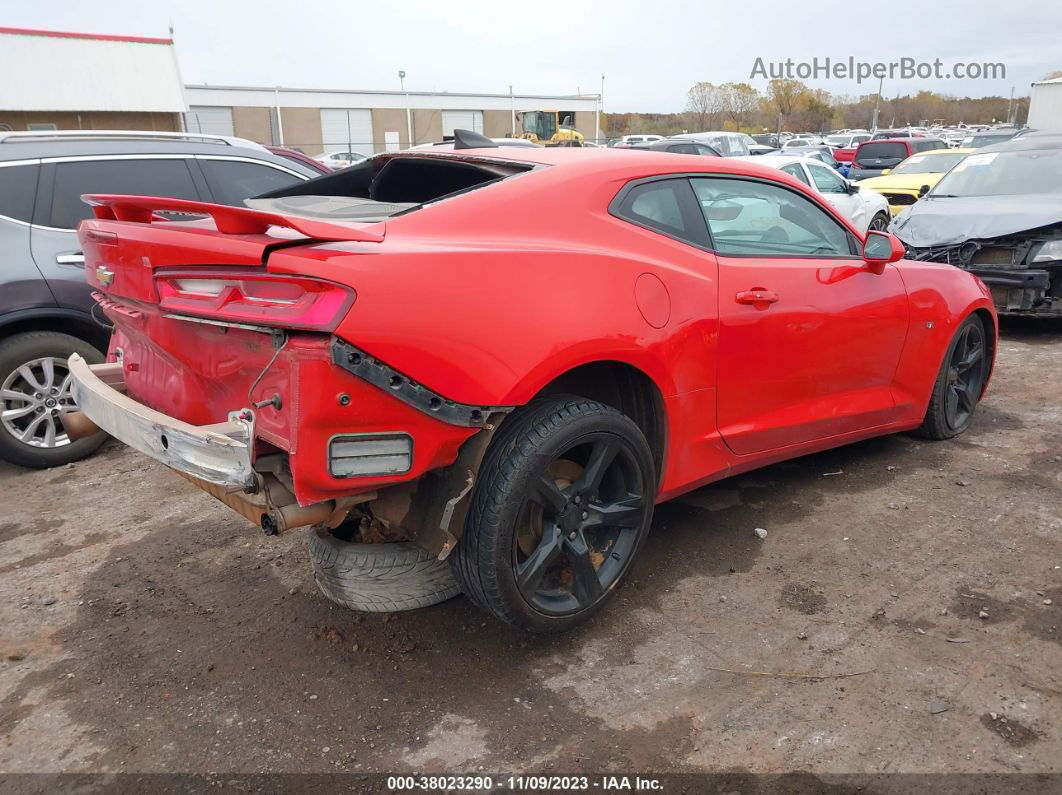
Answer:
(86, 72)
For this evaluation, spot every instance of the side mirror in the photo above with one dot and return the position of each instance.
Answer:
(881, 248)
(852, 187)
(923, 191)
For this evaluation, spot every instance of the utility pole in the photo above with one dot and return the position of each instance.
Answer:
(1010, 106)
(409, 113)
(600, 110)
(877, 105)
(512, 110)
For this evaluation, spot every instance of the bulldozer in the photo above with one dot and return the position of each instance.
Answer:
(549, 127)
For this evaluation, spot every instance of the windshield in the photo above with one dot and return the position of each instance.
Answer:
(838, 140)
(1004, 174)
(928, 163)
(541, 123)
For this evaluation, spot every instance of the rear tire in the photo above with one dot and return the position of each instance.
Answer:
(378, 578)
(959, 383)
(23, 412)
(561, 507)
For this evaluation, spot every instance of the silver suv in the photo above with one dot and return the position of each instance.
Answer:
(46, 311)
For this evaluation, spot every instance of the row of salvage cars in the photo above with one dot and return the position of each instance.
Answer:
(479, 370)
(997, 213)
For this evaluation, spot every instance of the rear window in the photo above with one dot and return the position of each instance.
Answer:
(18, 187)
(874, 151)
(396, 184)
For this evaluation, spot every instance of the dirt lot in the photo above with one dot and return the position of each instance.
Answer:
(144, 627)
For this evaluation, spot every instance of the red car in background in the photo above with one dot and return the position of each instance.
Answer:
(844, 145)
(403, 353)
(300, 157)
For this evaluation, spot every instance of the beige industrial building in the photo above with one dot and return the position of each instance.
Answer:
(316, 121)
(88, 81)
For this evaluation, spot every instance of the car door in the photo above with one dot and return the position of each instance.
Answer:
(809, 337)
(834, 189)
(53, 236)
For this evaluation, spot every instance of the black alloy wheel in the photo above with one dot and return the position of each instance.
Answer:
(959, 383)
(965, 376)
(562, 504)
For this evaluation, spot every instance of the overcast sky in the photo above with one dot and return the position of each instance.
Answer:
(650, 51)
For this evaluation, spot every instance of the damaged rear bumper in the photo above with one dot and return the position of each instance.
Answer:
(219, 453)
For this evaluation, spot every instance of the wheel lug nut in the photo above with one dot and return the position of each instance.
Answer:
(572, 535)
(585, 514)
(578, 499)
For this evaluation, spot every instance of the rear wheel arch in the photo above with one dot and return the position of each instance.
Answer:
(625, 388)
(76, 324)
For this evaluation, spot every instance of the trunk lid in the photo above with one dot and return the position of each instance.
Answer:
(129, 240)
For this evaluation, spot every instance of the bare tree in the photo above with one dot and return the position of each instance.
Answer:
(740, 101)
(704, 102)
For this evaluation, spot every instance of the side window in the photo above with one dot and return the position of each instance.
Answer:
(683, 149)
(664, 206)
(794, 170)
(826, 179)
(706, 150)
(168, 178)
(232, 181)
(18, 188)
(757, 218)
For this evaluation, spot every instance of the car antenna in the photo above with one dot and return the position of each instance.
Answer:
(467, 139)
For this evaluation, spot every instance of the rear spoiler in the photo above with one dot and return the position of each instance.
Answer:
(228, 220)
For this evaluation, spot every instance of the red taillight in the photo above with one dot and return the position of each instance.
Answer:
(258, 299)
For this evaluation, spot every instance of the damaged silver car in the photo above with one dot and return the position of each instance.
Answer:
(998, 214)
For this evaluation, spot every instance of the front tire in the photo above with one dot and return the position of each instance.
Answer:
(959, 383)
(561, 508)
(34, 391)
(879, 223)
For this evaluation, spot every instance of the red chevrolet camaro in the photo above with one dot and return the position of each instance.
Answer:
(479, 369)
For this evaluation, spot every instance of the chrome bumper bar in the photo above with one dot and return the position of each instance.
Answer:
(219, 454)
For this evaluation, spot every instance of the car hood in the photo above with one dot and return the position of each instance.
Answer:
(943, 222)
(902, 181)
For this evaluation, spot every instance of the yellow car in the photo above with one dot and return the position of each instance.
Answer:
(902, 186)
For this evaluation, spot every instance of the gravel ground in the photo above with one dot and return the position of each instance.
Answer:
(902, 614)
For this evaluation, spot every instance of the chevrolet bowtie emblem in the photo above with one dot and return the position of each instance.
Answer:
(104, 276)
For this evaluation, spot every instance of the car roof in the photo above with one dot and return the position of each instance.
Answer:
(32, 148)
(1026, 143)
(900, 140)
(635, 162)
(777, 161)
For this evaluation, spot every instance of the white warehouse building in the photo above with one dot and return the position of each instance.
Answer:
(330, 120)
(91, 81)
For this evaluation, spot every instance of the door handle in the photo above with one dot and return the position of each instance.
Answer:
(74, 258)
(756, 296)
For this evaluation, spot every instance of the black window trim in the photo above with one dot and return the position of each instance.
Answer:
(614, 209)
(687, 203)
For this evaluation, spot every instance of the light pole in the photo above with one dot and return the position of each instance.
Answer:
(409, 113)
(877, 104)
